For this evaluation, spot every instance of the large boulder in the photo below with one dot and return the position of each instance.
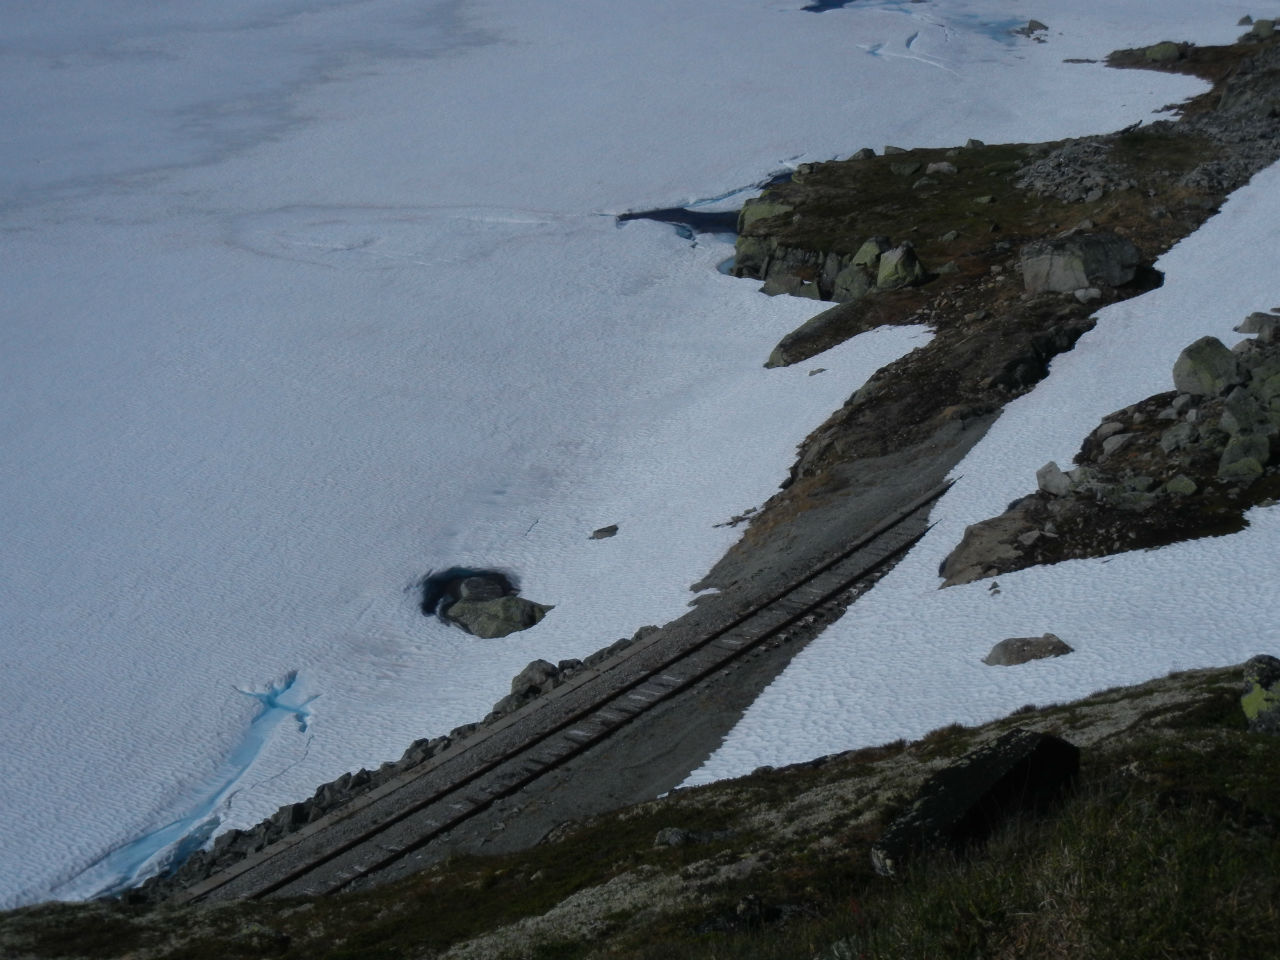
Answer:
(1207, 369)
(899, 268)
(1067, 264)
(497, 617)
(1016, 650)
(1022, 772)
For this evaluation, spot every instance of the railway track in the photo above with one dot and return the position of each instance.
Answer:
(375, 837)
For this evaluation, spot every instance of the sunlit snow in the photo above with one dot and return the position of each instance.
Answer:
(305, 298)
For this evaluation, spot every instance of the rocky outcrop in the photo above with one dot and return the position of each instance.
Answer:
(1175, 466)
(1016, 650)
(1022, 772)
(1077, 262)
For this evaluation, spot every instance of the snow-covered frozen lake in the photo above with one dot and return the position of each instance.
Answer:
(304, 298)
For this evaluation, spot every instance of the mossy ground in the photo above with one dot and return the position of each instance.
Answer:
(1169, 847)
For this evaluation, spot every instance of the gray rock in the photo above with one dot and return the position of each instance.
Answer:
(814, 335)
(868, 255)
(972, 144)
(1206, 369)
(534, 678)
(1263, 29)
(1016, 650)
(1067, 264)
(1052, 480)
(1244, 457)
(851, 283)
(906, 168)
(866, 153)
(496, 618)
(941, 166)
(480, 588)
(890, 150)
(1181, 485)
(603, 533)
(1115, 443)
(982, 548)
(1265, 325)
(1021, 773)
(1178, 436)
(1088, 294)
(899, 268)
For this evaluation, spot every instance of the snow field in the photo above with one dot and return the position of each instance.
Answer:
(306, 297)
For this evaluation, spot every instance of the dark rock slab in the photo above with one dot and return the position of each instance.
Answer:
(1021, 772)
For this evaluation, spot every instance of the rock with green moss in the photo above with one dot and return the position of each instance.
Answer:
(760, 209)
(1261, 698)
(497, 617)
(1207, 369)
(898, 268)
(1164, 52)
(1244, 456)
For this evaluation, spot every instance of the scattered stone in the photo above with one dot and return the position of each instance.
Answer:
(1021, 772)
(605, 532)
(972, 144)
(1261, 697)
(1018, 650)
(890, 151)
(1088, 294)
(906, 168)
(866, 153)
(1067, 264)
(1181, 485)
(1263, 29)
(1031, 27)
(940, 167)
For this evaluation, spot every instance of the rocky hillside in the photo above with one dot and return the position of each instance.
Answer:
(1164, 842)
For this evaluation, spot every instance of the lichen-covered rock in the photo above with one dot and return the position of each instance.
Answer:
(899, 268)
(499, 617)
(1261, 698)
(1067, 264)
(760, 209)
(1164, 52)
(1206, 369)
